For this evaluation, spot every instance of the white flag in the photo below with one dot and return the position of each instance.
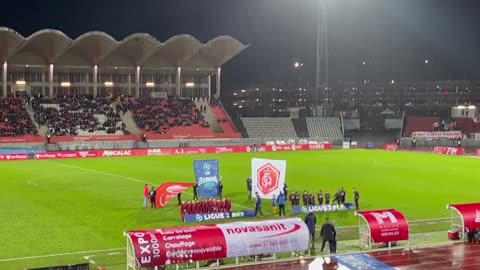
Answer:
(268, 177)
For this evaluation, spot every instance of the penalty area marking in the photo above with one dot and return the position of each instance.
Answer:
(124, 177)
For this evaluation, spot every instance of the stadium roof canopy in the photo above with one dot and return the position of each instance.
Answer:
(49, 46)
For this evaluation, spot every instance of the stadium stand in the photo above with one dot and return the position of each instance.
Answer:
(223, 119)
(415, 123)
(324, 127)
(467, 125)
(77, 115)
(269, 127)
(14, 118)
(301, 128)
(174, 117)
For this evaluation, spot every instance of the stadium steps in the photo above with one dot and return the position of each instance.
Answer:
(42, 130)
(300, 125)
(240, 127)
(210, 117)
(127, 119)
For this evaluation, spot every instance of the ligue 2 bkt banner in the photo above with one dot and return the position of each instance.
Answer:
(207, 176)
(268, 177)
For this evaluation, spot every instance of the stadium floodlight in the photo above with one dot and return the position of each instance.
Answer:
(426, 61)
(20, 82)
(392, 81)
(150, 84)
(190, 84)
(108, 84)
(65, 84)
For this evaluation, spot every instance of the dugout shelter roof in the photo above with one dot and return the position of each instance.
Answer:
(50, 46)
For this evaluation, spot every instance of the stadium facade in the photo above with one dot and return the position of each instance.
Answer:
(50, 63)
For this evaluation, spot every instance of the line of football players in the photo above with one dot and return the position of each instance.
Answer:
(310, 198)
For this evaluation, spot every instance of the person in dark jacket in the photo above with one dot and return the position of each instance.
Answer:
(281, 204)
(329, 234)
(311, 221)
(195, 192)
(152, 196)
(258, 204)
(220, 189)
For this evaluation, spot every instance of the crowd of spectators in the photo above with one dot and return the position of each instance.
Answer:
(159, 115)
(68, 115)
(14, 118)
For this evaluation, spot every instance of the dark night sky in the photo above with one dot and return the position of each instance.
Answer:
(395, 36)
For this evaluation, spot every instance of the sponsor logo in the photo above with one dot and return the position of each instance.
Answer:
(83, 154)
(175, 189)
(154, 152)
(276, 229)
(199, 218)
(382, 217)
(45, 156)
(274, 148)
(294, 147)
(268, 178)
(206, 169)
(21, 156)
(452, 151)
(223, 150)
(316, 146)
(116, 153)
(304, 209)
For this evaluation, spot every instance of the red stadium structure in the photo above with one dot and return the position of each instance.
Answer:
(382, 227)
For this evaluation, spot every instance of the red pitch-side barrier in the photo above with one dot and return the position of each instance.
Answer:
(163, 151)
(390, 147)
(478, 152)
(165, 246)
(453, 151)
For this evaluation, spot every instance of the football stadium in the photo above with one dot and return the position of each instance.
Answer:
(131, 154)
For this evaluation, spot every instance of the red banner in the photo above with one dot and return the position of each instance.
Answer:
(167, 246)
(390, 147)
(166, 191)
(386, 225)
(453, 151)
(478, 153)
(12, 157)
(470, 214)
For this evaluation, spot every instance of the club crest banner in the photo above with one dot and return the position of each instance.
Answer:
(207, 177)
(268, 177)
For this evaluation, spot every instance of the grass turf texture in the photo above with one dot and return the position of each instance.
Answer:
(50, 207)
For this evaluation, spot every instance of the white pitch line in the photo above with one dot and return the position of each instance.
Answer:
(124, 177)
(114, 253)
(60, 254)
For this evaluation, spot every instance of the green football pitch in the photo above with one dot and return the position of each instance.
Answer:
(74, 211)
